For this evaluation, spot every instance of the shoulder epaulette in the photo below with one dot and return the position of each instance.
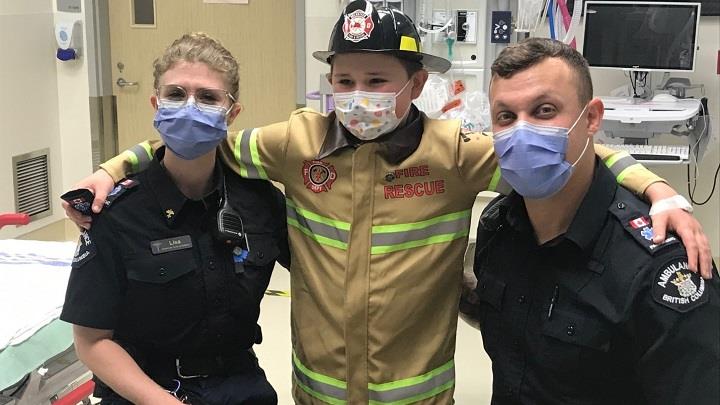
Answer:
(636, 221)
(120, 189)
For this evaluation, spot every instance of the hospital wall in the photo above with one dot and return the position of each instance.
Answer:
(604, 81)
(44, 104)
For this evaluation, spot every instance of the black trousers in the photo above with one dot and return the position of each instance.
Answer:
(247, 388)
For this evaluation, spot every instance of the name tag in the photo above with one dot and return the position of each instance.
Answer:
(171, 244)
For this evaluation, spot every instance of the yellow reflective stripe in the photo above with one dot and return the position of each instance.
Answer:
(412, 380)
(335, 391)
(317, 238)
(621, 176)
(237, 151)
(255, 154)
(345, 226)
(375, 250)
(317, 376)
(133, 160)
(313, 393)
(421, 224)
(441, 229)
(495, 179)
(418, 397)
(323, 230)
(414, 389)
(148, 149)
(610, 160)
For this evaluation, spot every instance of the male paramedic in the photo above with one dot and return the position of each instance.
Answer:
(575, 302)
(378, 207)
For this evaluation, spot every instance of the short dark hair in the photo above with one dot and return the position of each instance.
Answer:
(518, 57)
(411, 66)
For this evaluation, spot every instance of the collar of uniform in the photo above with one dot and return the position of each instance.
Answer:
(170, 198)
(394, 147)
(589, 217)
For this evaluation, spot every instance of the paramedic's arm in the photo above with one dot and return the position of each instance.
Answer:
(114, 366)
(635, 177)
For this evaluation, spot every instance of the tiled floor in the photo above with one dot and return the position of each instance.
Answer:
(473, 374)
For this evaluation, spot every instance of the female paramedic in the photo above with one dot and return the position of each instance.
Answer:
(165, 289)
(378, 201)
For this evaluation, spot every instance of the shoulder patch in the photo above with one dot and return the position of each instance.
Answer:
(120, 189)
(677, 288)
(641, 230)
(85, 251)
(80, 199)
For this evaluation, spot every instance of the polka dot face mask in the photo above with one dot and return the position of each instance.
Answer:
(368, 115)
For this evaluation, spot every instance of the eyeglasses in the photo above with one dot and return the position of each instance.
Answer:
(210, 99)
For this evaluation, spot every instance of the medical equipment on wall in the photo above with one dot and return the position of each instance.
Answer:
(645, 37)
(449, 99)
(68, 35)
(642, 38)
(437, 25)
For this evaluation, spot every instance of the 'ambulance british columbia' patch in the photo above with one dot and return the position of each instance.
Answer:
(358, 26)
(678, 288)
(85, 251)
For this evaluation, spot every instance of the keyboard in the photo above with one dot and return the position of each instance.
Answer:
(658, 153)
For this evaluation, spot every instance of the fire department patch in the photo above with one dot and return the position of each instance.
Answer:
(318, 175)
(358, 26)
(678, 288)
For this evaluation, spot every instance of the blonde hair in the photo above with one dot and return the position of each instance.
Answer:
(200, 47)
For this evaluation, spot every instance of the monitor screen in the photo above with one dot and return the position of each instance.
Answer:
(641, 35)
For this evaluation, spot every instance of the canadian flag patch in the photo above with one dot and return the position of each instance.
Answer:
(639, 222)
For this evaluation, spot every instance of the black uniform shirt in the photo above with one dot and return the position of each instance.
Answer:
(152, 270)
(599, 315)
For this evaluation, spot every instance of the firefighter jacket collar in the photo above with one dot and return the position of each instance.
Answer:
(169, 197)
(589, 218)
(394, 147)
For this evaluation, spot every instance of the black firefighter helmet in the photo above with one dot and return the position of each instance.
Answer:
(363, 27)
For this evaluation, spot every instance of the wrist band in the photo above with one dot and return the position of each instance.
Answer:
(676, 201)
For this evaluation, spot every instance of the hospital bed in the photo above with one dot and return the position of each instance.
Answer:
(37, 360)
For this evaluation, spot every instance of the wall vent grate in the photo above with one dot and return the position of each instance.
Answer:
(31, 175)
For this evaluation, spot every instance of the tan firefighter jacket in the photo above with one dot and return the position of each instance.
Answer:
(377, 249)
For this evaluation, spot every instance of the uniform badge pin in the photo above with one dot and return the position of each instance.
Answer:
(169, 213)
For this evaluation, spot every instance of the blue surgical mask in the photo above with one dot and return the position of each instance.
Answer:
(532, 158)
(188, 130)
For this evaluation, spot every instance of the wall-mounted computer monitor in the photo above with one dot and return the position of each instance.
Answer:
(641, 35)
